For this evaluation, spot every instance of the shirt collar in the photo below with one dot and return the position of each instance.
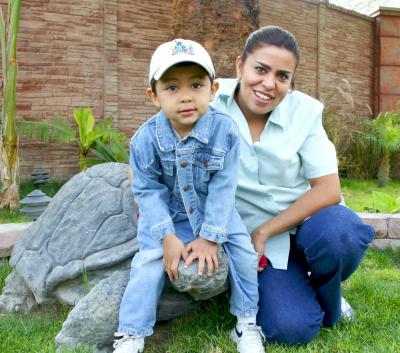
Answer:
(166, 137)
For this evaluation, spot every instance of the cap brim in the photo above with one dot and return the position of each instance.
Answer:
(177, 60)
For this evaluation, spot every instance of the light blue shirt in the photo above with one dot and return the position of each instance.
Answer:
(274, 172)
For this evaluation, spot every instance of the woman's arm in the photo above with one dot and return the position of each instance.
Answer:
(325, 191)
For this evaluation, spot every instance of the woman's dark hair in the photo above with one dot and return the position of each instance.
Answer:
(271, 35)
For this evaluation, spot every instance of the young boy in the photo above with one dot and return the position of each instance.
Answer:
(185, 165)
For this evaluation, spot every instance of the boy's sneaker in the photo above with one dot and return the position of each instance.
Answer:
(348, 312)
(128, 344)
(249, 338)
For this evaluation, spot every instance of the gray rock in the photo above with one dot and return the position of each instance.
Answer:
(16, 296)
(97, 308)
(89, 225)
(79, 251)
(100, 309)
(203, 287)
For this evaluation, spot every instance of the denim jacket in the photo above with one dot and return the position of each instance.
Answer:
(197, 174)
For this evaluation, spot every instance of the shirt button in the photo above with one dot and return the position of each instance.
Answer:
(190, 210)
(184, 164)
(205, 163)
(186, 188)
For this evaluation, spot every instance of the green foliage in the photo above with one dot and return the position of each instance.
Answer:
(56, 131)
(383, 202)
(383, 136)
(358, 193)
(343, 127)
(365, 147)
(99, 137)
(87, 135)
(86, 281)
(5, 270)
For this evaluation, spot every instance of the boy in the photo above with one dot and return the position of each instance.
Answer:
(184, 162)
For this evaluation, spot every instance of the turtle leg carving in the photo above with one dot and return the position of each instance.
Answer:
(16, 297)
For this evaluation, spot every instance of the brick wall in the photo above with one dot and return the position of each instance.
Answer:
(336, 44)
(60, 55)
(387, 41)
(142, 28)
(96, 53)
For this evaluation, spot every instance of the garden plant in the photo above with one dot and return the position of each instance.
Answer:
(384, 138)
(9, 162)
(99, 137)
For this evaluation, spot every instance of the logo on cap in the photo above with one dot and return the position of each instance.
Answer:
(182, 48)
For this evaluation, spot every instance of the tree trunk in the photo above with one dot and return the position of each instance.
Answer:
(9, 162)
(9, 175)
(384, 170)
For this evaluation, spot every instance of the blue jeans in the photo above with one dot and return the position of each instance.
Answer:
(326, 249)
(137, 312)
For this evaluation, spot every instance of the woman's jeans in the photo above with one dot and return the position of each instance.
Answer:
(326, 249)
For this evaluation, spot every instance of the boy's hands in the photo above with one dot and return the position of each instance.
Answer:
(174, 249)
(206, 252)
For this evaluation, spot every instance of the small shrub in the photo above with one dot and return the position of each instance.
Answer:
(346, 128)
(383, 202)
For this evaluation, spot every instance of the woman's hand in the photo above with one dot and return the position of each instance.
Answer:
(206, 252)
(174, 249)
(258, 238)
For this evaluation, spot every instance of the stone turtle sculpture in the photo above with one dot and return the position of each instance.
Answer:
(79, 252)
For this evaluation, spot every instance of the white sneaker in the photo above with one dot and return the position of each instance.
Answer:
(348, 312)
(128, 344)
(249, 338)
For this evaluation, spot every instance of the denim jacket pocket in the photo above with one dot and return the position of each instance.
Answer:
(167, 175)
(205, 163)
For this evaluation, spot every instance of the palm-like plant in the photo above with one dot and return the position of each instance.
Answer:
(9, 163)
(91, 135)
(384, 136)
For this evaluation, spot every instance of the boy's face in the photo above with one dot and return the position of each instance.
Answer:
(183, 94)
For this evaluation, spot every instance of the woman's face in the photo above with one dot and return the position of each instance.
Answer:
(265, 79)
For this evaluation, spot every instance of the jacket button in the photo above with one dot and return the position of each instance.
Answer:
(186, 188)
(184, 164)
(205, 163)
(190, 210)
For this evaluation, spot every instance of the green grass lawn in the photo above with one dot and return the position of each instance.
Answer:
(373, 291)
(357, 193)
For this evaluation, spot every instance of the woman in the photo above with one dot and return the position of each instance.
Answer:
(289, 191)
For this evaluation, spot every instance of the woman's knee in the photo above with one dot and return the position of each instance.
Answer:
(336, 230)
(334, 237)
(291, 330)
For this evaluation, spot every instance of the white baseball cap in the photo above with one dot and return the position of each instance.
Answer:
(178, 51)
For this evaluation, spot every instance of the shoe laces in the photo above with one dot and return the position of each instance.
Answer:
(125, 341)
(253, 333)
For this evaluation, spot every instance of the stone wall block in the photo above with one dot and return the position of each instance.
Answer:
(378, 221)
(394, 226)
(390, 79)
(390, 26)
(390, 50)
(386, 243)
